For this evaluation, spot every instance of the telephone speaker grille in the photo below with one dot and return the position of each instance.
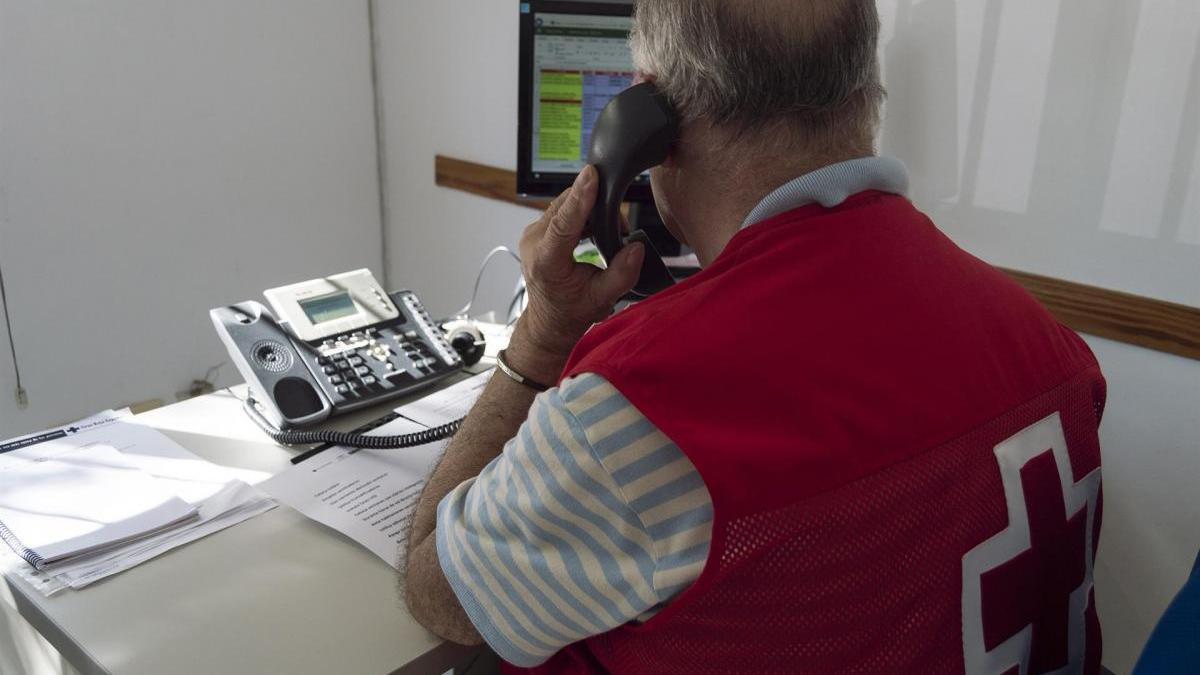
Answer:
(271, 356)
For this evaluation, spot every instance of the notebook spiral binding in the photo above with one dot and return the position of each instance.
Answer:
(15, 544)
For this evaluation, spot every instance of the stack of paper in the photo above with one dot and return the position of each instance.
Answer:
(93, 499)
(59, 503)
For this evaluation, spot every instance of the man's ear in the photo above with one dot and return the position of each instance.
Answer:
(641, 76)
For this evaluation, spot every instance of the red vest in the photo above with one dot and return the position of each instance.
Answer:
(901, 449)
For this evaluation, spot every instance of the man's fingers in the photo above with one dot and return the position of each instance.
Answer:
(610, 285)
(568, 221)
(537, 229)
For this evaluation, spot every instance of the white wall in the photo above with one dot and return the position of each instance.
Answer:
(1150, 442)
(449, 78)
(159, 158)
(1078, 121)
(1056, 136)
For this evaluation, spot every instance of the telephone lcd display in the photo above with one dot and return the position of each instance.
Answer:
(329, 307)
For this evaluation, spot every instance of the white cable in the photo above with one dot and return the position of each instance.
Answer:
(466, 311)
(518, 304)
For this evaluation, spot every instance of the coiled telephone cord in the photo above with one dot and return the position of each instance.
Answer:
(351, 439)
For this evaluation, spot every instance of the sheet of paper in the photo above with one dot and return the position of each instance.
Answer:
(367, 495)
(187, 475)
(447, 405)
(70, 491)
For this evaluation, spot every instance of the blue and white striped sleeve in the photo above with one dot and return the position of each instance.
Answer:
(590, 519)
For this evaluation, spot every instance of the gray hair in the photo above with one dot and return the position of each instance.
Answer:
(806, 67)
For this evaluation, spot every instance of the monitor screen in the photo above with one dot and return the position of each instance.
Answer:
(574, 58)
(580, 62)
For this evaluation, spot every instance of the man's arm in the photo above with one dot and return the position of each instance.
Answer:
(495, 418)
(565, 299)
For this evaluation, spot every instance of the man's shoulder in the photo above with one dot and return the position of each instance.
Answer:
(653, 474)
(615, 430)
(592, 399)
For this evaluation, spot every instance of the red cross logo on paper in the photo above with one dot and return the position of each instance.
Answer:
(1026, 590)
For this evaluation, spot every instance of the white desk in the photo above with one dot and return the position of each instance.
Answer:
(275, 594)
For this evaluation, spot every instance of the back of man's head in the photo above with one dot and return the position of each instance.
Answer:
(795, 74)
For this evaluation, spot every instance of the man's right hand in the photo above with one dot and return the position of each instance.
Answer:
(565, 297)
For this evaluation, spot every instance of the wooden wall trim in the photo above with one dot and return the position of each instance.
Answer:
(1132, 319)
(1124, 317)
(482, 180)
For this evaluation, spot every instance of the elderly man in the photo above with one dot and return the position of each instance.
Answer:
(844, 446)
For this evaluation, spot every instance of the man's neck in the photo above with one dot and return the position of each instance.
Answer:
(722, 193)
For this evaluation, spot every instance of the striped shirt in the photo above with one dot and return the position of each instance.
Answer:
(592, 518)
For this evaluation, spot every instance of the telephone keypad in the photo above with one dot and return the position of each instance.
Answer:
(378, 361)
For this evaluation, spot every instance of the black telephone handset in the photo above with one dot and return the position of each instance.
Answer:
(634, 133)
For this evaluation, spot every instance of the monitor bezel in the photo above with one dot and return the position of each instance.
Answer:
(534, 185)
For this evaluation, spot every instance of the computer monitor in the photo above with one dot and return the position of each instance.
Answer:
(574, 58)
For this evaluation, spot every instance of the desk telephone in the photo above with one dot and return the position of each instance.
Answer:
(333, 345)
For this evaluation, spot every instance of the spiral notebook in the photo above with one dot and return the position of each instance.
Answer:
(70, 492)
